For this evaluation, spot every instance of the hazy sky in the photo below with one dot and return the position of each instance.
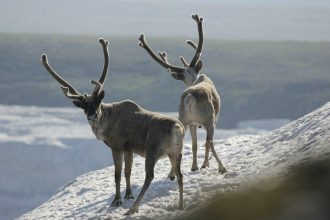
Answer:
(226, 19)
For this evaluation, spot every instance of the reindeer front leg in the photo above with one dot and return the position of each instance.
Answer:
(128, 157)
(149, 168)
(118, 161)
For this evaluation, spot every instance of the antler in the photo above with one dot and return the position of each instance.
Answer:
(192, 44)
(99, 84)
(200, 41)
(184, 61)
(68, 90)
(163, 56)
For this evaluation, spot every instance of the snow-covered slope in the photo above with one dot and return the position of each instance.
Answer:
(246, 157)
(41, 149)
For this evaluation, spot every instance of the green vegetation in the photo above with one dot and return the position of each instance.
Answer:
(256, 79)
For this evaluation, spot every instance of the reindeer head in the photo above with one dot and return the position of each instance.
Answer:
(88, 102)
(189, 73)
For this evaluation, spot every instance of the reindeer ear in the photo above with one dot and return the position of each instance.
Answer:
(99, 98)
(77, 103)
(198, 66)
(177, 76)
(101, 95)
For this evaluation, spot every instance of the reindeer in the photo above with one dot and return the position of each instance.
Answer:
(127, 128)
(200, 101)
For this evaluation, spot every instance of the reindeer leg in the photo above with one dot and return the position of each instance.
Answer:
(207, 147)
(171, 175)
(128, 157)
(176, 166)
(193, 132)
(149, 166)
(118, 161)
(209, 142)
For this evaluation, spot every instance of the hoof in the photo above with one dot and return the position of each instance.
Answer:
(132, 211)
(204, 166)
(222, 170)
(171, 178)
(129, 196)
(116, 203)
(171, 175)
(194, 168)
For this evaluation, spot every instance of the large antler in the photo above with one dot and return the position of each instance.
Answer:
(99, 84)
(68, 90)
(200, 41)
(163, 57)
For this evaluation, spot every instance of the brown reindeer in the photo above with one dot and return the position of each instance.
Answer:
(200, 102)
(127, 128)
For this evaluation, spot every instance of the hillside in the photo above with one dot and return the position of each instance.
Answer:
(257, 80)
(249, 159)
(43, 148)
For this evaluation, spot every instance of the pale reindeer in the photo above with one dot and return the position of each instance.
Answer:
(200, 102)
(127, 128)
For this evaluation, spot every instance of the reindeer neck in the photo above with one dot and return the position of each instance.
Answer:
(202, 78)
(100, 125)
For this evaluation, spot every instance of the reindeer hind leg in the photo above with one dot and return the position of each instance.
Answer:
(176, 166)
(175, 158)
(193, 132)
(210, 144)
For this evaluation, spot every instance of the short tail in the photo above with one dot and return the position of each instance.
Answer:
(177, 137)
(188, 103)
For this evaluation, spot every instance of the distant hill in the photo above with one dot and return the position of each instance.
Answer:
(256, 79)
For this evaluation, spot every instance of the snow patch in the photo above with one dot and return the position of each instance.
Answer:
(42, 126)
(247, 158)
